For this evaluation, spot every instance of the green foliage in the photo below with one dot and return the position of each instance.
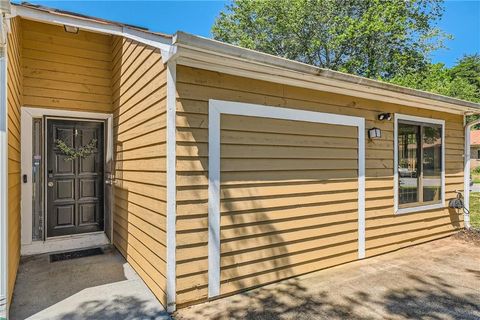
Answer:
(72, 153)
(372, 38)
(468, 68)
(475, 170)
(437, 78)
(475, 210)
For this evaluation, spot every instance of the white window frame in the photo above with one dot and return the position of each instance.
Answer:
(420, 120)
(218, 107)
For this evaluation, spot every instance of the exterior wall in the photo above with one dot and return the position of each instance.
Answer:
(139, 93)
(14, 101)
(65, 70)
(288, 199)
(101, 73)
(384, 230)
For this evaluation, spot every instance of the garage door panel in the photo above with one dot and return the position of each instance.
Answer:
(331, 211)
(286, 164)
(285, 176)
(258, 253)
(285, 152)
(280, 139)
(288, 198)
(293, 200)
(286, 225)
(268, 276)
(245, 243)
(287, 262)
(271, 189)
(255, 124)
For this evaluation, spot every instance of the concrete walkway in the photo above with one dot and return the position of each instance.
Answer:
(97, 287)
(436, 280)
(475, 187)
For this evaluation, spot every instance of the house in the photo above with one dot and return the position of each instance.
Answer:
(213, 169)
(474, 148)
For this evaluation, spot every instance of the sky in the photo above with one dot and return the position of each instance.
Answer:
(461, 19)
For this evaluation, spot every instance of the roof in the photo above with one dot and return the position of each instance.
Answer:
(210, 54)
(85, 17)
(475, 137)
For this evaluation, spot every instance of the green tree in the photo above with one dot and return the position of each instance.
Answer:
(372, 38)
(468, 68)
(437, 78)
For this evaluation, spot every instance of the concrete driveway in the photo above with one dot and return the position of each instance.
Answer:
(436, 280)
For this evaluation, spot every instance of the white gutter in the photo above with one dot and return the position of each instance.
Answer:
(466, 173)
(3, 166)
(145, 37)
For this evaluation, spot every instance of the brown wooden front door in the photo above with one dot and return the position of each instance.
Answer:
(75, 188)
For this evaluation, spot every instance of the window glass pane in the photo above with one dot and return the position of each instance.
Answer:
(432, 162)
(408, 162)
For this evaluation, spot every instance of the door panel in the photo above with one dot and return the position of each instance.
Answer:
(75, 190)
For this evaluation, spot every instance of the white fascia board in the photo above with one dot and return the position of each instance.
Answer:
(148, 38)
(300, 75)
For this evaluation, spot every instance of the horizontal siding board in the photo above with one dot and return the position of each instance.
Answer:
(250, 144)
(140, 159)
(14, 103)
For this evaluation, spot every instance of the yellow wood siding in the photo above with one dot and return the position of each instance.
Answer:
(139, 106)
(65, 70)
(14, 102)
(384, 230)
(274, 230)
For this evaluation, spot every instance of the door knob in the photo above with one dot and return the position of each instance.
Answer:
(50, 184)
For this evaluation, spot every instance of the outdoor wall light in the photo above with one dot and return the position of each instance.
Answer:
(374, 133)
(70, 29)
(385, 116)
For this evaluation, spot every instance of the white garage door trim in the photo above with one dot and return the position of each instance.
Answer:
(218, 107)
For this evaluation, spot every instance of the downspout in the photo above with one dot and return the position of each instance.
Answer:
(4, 11)
(466, 172)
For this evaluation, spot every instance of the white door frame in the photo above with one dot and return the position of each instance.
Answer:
(216, 108)
(65, 242)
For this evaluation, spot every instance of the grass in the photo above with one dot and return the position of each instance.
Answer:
(476, 177)
(475, 209)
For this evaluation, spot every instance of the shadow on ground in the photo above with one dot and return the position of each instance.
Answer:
(133, 308)
(96, 287)
(444, 285)
(430, 299)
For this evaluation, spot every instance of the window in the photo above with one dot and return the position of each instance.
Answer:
(478, 154)
(419, 176)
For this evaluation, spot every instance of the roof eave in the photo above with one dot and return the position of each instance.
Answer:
(207, 53)
(162, 42)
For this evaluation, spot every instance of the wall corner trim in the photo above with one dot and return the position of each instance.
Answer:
(3, 179)
(171, 185)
